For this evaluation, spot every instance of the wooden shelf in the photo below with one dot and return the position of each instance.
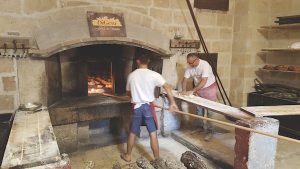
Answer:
(267, 70)
(280, 50)
(263, 51)
(286, 26)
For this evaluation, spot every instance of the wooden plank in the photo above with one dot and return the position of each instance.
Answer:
(280, 50)
(31, 142)
(267, 70)
(282, 110)
(287, 26)
(214, 106)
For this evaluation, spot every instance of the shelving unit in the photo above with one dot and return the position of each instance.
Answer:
(274, 58)
(267, 70)
(287, 26)
(276, 28)
(280, 50)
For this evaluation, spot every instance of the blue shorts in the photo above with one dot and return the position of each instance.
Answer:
(140, 115)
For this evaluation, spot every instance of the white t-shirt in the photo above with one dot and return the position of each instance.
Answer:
(142, 83)
(202, 70)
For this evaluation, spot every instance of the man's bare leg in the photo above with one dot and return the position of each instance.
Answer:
(130, 143)
(154, 144)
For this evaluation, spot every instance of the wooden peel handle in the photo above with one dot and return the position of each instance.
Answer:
(236, 126)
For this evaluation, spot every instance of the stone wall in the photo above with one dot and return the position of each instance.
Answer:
(43, 20)
(248, 42)
(8, 85)
(232, 34)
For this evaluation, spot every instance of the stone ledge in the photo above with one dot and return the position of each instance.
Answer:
(86, 109)
(31, 141)
(92, 41)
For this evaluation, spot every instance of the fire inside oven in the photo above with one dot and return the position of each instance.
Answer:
(100, 78)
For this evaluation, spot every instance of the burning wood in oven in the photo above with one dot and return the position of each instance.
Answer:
(99, 85)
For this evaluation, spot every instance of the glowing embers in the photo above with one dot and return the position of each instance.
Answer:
(100, 78)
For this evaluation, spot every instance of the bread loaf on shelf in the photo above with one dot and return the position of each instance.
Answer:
(294, 68)
(268, 67)
(281, 67)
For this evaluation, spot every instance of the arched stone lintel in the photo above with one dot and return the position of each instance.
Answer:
(69, 33)
(95, 41)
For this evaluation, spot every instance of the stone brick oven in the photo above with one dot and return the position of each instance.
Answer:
(62, 66)
(56, 68)
(85, 81)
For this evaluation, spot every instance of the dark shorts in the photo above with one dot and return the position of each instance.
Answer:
(140, 115)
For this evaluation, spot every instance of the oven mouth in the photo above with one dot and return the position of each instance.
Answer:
(100, 78)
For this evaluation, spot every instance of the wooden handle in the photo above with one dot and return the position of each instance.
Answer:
(123, 98)
(237, 126)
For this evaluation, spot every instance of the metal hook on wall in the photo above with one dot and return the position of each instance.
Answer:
(15, 46)
(5, 48)
(23, 48)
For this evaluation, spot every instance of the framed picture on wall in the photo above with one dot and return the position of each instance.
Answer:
(222, 5)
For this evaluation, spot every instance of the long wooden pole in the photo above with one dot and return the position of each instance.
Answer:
(206, 51)
(123, 98)
(236, 126)
(220, 122)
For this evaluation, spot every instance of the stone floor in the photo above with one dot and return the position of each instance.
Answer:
(105, 157)
(219, 149)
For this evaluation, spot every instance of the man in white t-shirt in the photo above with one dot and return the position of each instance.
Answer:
(140, 85)
(205, 85)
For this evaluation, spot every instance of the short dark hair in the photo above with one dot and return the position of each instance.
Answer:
(192, 55)
(143, 58)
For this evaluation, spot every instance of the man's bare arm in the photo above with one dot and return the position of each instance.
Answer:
(173, 105)
(184, 82)
(184, 92)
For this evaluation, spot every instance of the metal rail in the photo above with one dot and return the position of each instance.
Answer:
(218, 80)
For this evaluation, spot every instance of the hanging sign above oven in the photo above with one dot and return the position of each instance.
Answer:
(106, 24)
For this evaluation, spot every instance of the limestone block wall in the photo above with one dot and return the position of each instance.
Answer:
(248, 42)
(8, 85)
(42, 19)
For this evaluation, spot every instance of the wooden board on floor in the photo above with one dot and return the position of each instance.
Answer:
(214, 106)
(31, 142)
(282, 110)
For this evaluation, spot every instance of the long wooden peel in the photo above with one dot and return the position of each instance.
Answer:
(123, 98)
(236, 126)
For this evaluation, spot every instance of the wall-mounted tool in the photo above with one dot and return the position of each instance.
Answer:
(9, 46)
